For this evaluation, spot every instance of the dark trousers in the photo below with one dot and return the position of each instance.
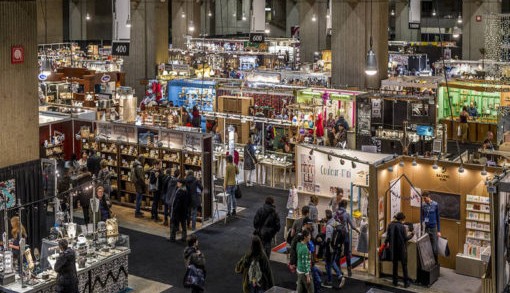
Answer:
(404, 269)
(267, 247)
(86, 216)
(155, 205)
(166, 212)
(347, 251)
(175, 228)
(433, 239)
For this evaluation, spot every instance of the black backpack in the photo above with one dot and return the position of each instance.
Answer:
(340, 232)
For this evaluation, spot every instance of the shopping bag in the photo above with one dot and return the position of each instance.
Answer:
(442, 247)
(459, 131)
(194, 278)
(238, 193)
(385, 252)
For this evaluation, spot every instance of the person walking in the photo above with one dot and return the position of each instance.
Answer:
(255, 267)
(155, 187)
(65, 266)
(329, 253)
(333, 203)
(304, 279)
(430, 217)
(314, 214)
(396, 238)
(306, 224)
(194, 188)
(104, 177)
(167, 176)
(345, 222)
(179, 211)
(193, 256)
(138, 178)
(463, 119)
(267, 223)
(249, 161)
(229, 185)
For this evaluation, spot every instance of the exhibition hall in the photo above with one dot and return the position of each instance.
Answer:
(255, 146)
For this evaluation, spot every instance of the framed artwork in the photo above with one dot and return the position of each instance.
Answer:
(380, 208)
(381, 225)
(8, 193)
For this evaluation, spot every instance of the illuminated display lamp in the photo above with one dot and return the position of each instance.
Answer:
(128, 21)
(434, 12)
(87, 17)
(435, 166)
(401, 164)
(484, 171)
(456, 32)
(314, 18)
(392, 12)
(459, 19)
(461, 169)
(390, 168)
(209, 14)
(371, 62)
(414, 162)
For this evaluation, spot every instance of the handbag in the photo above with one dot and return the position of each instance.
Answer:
(442, 247)
(459, 131)
(194, 278)
(238, 194)
(385, 252)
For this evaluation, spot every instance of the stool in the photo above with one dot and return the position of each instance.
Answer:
(220, 195)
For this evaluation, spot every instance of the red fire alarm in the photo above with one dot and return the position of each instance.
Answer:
(17, 55)
(478, 18)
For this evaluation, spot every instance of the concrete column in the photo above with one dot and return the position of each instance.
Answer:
(473, 32)
(149, 43)
(50, 26)
(226, 16)
(19, 119)
(77, 21)
(350, 42)
(192, 11)
(292, 16)
(312, 32)
(402, 31)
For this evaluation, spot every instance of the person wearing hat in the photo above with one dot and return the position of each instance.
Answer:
(397, 237)
(65, 266)
(179, 212)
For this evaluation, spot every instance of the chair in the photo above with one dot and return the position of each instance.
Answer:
(220, 196)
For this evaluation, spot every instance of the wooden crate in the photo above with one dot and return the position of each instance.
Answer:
(235, 105)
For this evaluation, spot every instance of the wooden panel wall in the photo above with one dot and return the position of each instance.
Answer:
(19, 119)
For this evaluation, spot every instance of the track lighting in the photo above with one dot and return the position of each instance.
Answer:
(353, 165)
(401, 164)
(191, 27)
(390, 169)
(461, 169)
(314, 18)
(435, 166)
(330, 157)
(311, 152)
(414, 162)
(244, 17)
(128, 21)
(484, 171)
(342, 162)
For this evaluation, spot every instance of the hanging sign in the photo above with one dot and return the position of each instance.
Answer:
(42, 77)
(414, 25)
(105, 78)
(257, 37)
(120, 48)
(17, 55)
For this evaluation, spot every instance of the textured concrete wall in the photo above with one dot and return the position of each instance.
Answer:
(19, 120)
(472, 31)
(193, 12)
(292, 15)
(312, 33)
(149, 43)
(49, 21)
(350, 42)
(402, 31)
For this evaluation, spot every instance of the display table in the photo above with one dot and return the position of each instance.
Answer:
(412, 262)
(273, 166)
(108, 274)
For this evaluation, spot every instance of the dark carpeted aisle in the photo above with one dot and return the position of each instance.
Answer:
(223, 245)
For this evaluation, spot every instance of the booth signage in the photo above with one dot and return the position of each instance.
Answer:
(17, 55)
(257, 37)
(105, 78)
(443, 175)
(180, 67)
(120, 48)
(414, 25)
(42, 77)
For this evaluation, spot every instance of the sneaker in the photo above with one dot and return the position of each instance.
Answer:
(140, 215)
(327, 284)
(171, 239)
(341, 282)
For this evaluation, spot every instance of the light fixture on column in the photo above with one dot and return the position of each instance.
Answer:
(392, 12)
(433, 12)
(456, 32)
(484, 171)
(267, 30)
(371, 62)
(314, 18)
(244, 17)
(191, 27)
(128, 21)
(461, 169)
(402, 164)
(87, 17)
(209, 14)
(459, 19)
(183, 15)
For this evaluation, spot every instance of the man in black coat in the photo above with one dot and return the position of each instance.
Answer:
(194, 188)
(267, 223)
(65, 266)
(179, 211)
(397, 237)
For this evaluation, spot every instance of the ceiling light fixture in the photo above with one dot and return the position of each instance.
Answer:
(267, 30)
(342, 162)
(371, 62)
(484, 171)
(183, 15)
(209, 14)
(191, 27)
(353, 165)
(401, 164)
(87, 17)
(244, 17)
(392, 12)
(434, 12)
(456, 32)
(459, 19)
(314, 18)
(128, 21)
(390, 169)
(435, 166)
(461, 169)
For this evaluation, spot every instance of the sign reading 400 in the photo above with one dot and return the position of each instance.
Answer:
(120, 48)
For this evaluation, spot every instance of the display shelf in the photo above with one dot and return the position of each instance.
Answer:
(477, 238)
(478, 211)
(475, 220)
(477, 229)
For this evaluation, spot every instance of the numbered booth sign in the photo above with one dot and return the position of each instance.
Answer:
(120, 48)
(257, 38)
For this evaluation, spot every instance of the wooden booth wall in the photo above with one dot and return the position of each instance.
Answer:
(28, 178)
(447, 180)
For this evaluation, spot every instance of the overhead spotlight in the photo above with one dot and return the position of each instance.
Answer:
(456, 32)
(183, 15)
(401, 164)
(414, 162)
(392, 12)
(459, 19)
(244, 17)
(435, 166)
(209, 14)
(311, 152)
(461, 169)
(128, 21)
(353, 165)
(191, 27)
(390, 169)
(484, 171)
(330, 157)
(434, 12)
(87, 17)
(314, 18)
(342, 162)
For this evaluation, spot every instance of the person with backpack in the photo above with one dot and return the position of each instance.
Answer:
(329, 256)
(193, 256)
(179, 211)
(255, 267)
(396, 238)
(306, 225)
(304, 279)
(138, 179)
(267, 223)
(194, 187)
(155, 187)
(344, 225)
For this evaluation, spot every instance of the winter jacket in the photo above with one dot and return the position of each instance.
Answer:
(139, 177)
(314, 213)
(104, 210)
(230, 174)
(266, 222)
(249, 157)
(164, 187)
(397, 238)
(180, 205)
(67, 278)
(244, 265)
(192, 257)
(192, 184)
